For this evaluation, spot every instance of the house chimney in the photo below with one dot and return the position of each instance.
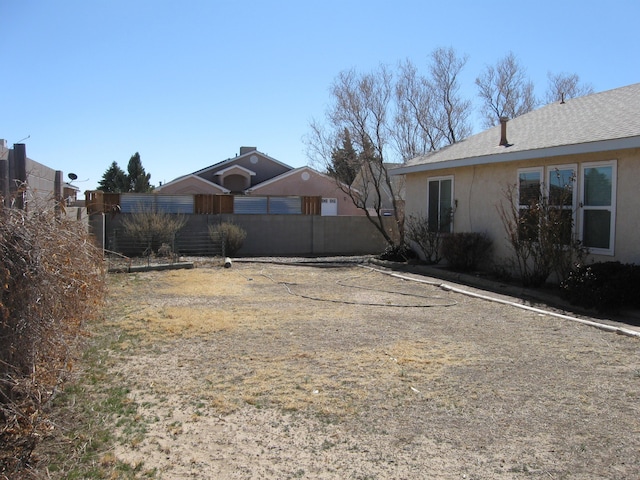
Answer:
(503, 131)
(244, 150)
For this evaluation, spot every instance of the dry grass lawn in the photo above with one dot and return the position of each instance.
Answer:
(280, 371)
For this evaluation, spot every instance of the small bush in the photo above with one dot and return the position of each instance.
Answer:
(539, 232)
(426, 240)
(153, 229)
(606, 286)
(233, 236)
(465, 250)
(398, 253)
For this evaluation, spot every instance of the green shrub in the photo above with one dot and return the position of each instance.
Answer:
(465, 250)
(233, 236)
(605, 286)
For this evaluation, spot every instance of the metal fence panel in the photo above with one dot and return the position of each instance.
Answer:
(174, 203)
(285, 205)
(136, 202)
(248, 205)
(144, 202)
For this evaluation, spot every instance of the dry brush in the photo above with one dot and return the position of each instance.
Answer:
(51, 282)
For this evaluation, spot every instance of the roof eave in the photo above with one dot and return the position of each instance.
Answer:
(506, 156)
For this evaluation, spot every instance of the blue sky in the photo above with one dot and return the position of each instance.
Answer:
(186, 83)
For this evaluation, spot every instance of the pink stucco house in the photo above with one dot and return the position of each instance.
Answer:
(253, 173)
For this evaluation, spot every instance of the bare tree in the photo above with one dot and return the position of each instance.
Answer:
(415, 131)
(429, 110)
(410, 116)
(361, 106)
(505, 91)
(453, 111)
(563, 86)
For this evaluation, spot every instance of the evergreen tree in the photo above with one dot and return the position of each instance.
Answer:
(344, 161)
(114, 180)
(138, 178)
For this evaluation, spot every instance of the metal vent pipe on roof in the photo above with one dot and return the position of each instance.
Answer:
(503, 131)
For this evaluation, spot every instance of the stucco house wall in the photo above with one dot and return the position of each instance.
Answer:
(480, 189)
(363, 182)
(310, 182)
(255, 173)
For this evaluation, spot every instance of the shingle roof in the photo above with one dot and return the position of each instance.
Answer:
(579, 125)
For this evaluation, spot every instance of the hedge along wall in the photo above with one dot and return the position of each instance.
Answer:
(269, 235)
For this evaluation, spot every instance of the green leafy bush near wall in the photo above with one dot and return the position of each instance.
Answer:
(465, 250)
(605, 286)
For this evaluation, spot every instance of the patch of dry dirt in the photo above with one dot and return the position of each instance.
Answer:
(276, 371)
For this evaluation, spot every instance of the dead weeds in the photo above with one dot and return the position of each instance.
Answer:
(275, 371)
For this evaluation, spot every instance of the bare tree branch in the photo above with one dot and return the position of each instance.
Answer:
(505, 91)
(563, 86)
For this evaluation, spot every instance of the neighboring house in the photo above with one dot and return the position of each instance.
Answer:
(312, 183)
(590, 144)
(23, 180)
(365, 184)
(253, 173)
(70, 194)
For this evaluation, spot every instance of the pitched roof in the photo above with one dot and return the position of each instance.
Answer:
(232, 161)
(193, 177)
(599, 122)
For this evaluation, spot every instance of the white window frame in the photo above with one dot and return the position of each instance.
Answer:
(574, 200)
(614, 188)
(540, 171)
(439, 180)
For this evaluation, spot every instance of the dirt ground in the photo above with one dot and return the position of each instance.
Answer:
(271, 371)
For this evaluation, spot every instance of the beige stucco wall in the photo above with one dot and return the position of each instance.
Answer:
(307, 182)
(627, 244)
(478, 191)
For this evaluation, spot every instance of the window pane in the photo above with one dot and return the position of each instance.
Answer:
(529, 187)
(597, 186)
(561, 183)
(561, 222)
(528, 224)
(596, 228)
(445, 206)
(434, 197)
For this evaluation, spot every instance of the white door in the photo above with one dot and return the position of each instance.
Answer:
(329, 207)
